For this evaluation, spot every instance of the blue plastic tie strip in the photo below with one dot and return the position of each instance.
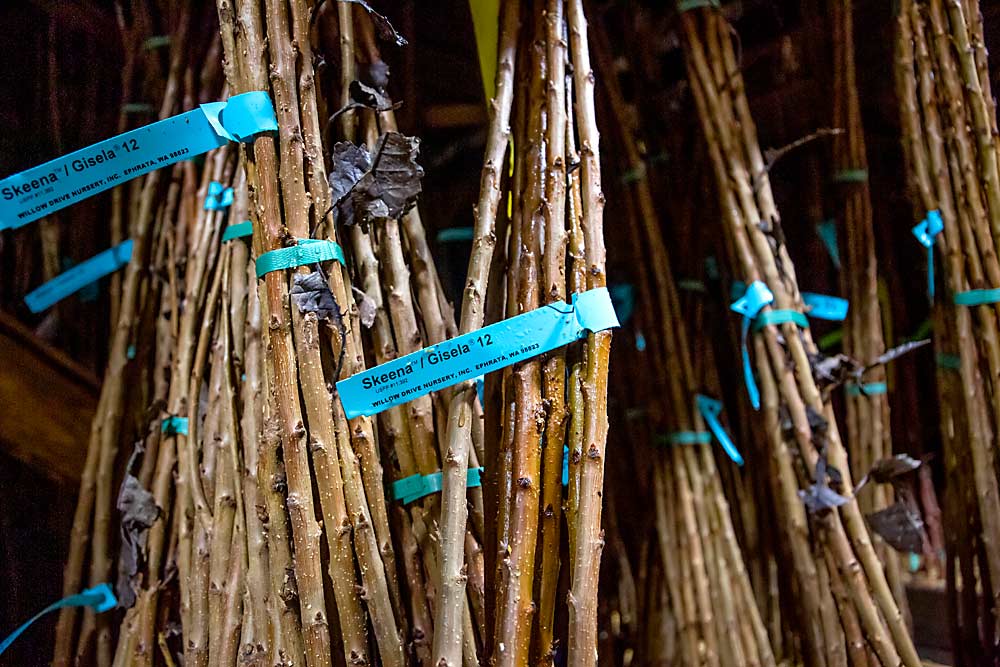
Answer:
(977, 297)
(66, 180)
(174, 425)
(78, 277)
(827, 231)
(780, 317)
(219, 197)
(238, 231)
(866, 388)
(455, 234)
(825, 307)
(755, 297)
(307, 251)
(687, 438)
(417, 486)
(926, 232)
(101, 598)
(623, 299)
(565, 470)
(710, 409)
(462, 358)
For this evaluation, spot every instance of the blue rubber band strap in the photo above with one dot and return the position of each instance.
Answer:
(174, 425)
(101, 598)
(308, 251)
(238, 231)
(866, 389)
(977, 297)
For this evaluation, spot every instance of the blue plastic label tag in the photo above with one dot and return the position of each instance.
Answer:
(100, 598)
(219, 197)
(827, 231)
(79, 276)
(59, 183)
(755, 297)
(824, 307)
(488, 349)
(710, 409)
(623, 298)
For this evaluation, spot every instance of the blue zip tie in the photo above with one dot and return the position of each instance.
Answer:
(565, 470)
(710, 409)
(238, 231)
(308, 251)
(174, 425)
(219, 197)
(825, 307)
(827, 231)
(756, 296)
(101, 598)
(926, 232)
(866, 389)
(977, 297)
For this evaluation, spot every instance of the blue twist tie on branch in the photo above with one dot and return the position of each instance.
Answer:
(977, 297)
(238, 231)
(308, 251)
(710, 409)
(926, 232)
(219, 198)
(824, 307)
(866, 389)
(827, 231)
(756, 296)
(174, 425)
(83, 274)
(101, 598)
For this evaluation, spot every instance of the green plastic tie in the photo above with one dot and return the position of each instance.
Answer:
(155, 42)
(308, 251)
(687, 5)
(137, 107)
(851, 176)
(780, 317)
(238, 231)
(686, 438)
(977, 297)
(952, 362)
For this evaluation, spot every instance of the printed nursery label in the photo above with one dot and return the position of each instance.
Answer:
(59, 183)
(468, 356)
(79, 276)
